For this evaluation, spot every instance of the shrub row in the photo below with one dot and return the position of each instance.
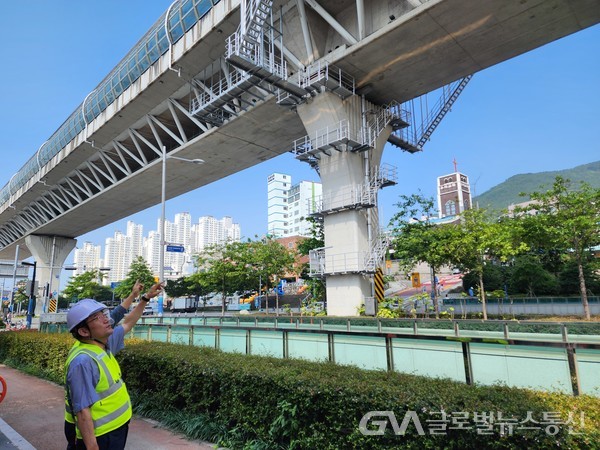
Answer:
(306, 405)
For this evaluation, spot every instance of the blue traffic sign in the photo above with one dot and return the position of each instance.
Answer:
(175, 248)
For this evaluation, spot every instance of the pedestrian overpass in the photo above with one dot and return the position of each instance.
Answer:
(237, 82)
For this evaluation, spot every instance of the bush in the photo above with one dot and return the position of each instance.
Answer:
(259, 402)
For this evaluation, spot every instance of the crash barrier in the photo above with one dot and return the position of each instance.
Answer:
(539, 356)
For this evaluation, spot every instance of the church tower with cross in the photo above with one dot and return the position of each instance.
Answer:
(453, 193)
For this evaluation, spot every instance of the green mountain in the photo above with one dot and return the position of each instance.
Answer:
(507, 193)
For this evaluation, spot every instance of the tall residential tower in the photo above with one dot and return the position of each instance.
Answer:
(288, 205)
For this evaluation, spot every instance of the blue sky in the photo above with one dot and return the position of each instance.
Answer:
(534, 113)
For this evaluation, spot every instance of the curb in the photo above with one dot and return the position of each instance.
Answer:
(15, 440)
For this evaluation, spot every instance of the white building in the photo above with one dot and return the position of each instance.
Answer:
(87, 258)
(117, 256)
(122, 249)
(136, 233)
(209, 231)
(152, 250)
(288, 205)
(180, 234)
(230, 231)
(277, 207)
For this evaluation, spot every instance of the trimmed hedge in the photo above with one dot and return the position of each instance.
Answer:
(277, 403)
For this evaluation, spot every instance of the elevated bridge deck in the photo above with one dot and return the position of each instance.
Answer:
(395, 51)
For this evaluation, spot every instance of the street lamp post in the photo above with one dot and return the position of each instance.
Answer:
(161, 257)
(163, 199)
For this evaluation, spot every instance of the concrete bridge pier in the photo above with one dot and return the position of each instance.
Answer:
(49, 253)
(347, 137)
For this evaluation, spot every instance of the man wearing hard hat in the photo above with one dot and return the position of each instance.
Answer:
(96, 398)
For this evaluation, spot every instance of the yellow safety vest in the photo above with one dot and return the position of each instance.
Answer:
(113, 409)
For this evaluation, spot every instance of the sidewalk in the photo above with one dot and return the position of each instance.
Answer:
(32, 417)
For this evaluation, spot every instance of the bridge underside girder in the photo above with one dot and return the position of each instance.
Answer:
(405, 50)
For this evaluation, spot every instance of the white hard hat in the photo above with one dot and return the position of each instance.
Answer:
(81, 311)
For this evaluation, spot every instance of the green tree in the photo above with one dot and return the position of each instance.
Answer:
(479, 239)
(222, 268)
(198, 284)
(417, 239)
(238, 266)
(529, 277)
(84, 285)
(568, 277)
(494, 278)
(21, 297)
(179, 287)
(271, 261)
(315, 240)
(568, 221)
(139, 270)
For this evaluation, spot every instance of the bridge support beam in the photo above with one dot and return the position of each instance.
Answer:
(345, 167)
(50, 253)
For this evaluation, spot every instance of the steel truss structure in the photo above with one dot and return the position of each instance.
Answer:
(253, 68)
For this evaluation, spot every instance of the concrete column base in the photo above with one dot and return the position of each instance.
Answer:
(49, 253)
(345, 294)
(346, 169)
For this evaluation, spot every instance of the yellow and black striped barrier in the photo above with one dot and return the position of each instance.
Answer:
(379, 284)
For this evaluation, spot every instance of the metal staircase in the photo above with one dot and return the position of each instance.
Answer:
(256, 14)
(376, 255)
(392, 115)
(363, 196)
(413, 139)
(256, 47)
(321, 261)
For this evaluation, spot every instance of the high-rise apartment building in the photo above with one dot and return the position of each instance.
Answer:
(122, 249)
(152, 250)
(87, 258)
(117, 256)
(135, 232)
(180, 235)
(288, 205)
(210, 231)
(230, 231)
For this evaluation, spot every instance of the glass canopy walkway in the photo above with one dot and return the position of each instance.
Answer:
(167, 30)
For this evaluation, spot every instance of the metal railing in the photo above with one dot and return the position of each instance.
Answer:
(285, 337)
(323, 74)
